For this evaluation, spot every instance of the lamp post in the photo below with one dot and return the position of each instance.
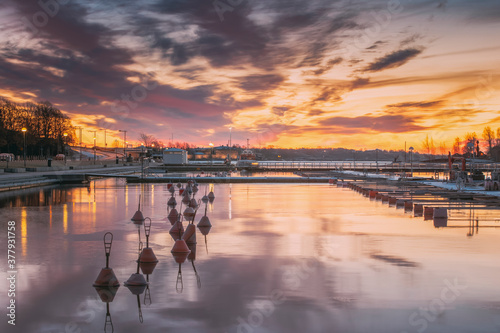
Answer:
(124, 143)
(142, 161)
(211, 153)
(411, 161)
(94, 144)
(80, 128)
(65, 148)
(24, 144)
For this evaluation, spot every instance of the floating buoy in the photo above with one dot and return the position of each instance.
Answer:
(147, 255)
(137, 279)
(185, 199)
(189, 213)
(169, 185)
(171, 190)
(195, 188)
(418, 210)
(177, 230)
(211, 196)
(440, 212)
(180, 246)
(179, 185)
(148, 267)
(193, 204)
(204, 199)
(138, 218)
(181, 191)
(107, 277)
(428, 213)
(189, 235)
(173, 216)
(172, 202)
(204, 222)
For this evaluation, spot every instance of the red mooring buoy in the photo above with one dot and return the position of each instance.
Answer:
(147, 255)
(189, 213)
(137, 279)
(180, 246)
(189, 236)
(107, 277)
(173, 216)
(138, 218)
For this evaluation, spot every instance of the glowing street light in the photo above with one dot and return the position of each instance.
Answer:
(211, 153)
(124, 144)
(411, 161)
(24, 145)
(65, 148)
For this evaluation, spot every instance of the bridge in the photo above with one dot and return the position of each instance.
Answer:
(363, 166)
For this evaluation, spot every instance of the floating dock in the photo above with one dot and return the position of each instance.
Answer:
(131, 179)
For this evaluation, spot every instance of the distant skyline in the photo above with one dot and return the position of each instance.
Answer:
(319, 73)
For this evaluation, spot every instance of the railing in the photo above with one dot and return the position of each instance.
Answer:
(349, 165)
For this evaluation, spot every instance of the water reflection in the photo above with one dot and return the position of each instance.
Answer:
(292, 258)
(33, 197)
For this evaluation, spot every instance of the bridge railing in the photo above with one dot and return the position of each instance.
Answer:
(351, 165)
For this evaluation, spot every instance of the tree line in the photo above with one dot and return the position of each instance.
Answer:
(45, 128)
(468, 145)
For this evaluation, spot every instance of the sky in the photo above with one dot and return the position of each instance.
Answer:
(318, 73)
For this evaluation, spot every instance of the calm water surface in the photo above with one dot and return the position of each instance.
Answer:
(279, 258)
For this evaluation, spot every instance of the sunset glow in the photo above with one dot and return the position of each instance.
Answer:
(320, 73)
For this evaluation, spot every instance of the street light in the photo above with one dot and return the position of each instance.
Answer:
(95, 133)
(411, 161)
(65, 148)
(124, 143)
(211, 153)
(24, 145)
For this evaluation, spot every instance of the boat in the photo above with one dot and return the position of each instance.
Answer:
(247, 159)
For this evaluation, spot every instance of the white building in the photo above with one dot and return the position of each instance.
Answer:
(175, 156)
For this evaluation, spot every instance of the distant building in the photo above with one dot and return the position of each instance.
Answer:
(175, 156)
(495, 153)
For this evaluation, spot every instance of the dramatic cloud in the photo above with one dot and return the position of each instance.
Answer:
(384, 123)
(278, 72)
(393, 60)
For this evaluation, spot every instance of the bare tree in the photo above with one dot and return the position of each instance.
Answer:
(469, 138)
(146, 139)
(456, 146)
(428, 144)
(442, 148)
(489, 136)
